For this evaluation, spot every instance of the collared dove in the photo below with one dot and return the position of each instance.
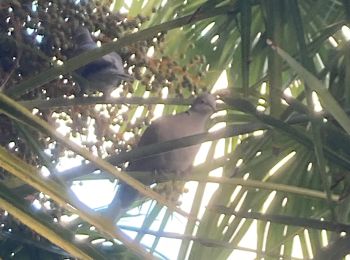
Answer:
(100, 74)
(178, 161)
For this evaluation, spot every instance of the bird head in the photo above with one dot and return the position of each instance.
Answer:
(204, 104)
(82, 36)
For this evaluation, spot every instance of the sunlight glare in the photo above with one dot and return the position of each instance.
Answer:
(169, 247)
(207, 28)
(256, 39)
(219, 149)
(123, 10)
(230, 220)
(266, 233)
(308, 244)
(36, 204)
(282, 250)
(240, 254)
(234, 194)
(85, 191)
(241, 223)
(81, 237)
(145, 2)
(333, 42)
(217, 126)
(268, 202)
(202, 153)
(250, 238)
(98, 241)
(260, 108)
(309, 166)
(319, 60)
(287, 92)
(224, 230)
(258, 133)
(107, 243)
(188, 197)
(279, 165)
(137, 114)
(217, 172)
(45, 172)
(221, 218)
(263, 89)
(158, 111)
(150, 52)
(128, 2)
(65, 163)
(346, 32)
(139, 109)
(324, 238)
(148, 239)
(296, 249)
(284, 202)
(63, 129)
(316, 101)
(246, 176)
(210, 188)
(66, 219)
(240, 203)
(214, 39)
(221, 83)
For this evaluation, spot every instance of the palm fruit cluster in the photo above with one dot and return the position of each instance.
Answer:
(37, 35)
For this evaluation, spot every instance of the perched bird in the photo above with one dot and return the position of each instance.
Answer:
(178, 161)
(101, 74)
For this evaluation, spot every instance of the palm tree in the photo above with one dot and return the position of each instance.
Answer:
(279, 163)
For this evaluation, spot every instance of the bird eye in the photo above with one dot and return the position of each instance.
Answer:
(202, 101)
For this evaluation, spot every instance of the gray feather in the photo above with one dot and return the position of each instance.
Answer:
(178, 161)
(101, 74)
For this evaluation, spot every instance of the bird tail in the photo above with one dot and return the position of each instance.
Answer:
(114, 211)
(126, 77)
(124, 197)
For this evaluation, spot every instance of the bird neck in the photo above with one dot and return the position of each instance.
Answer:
(199, 115)
(83, 38)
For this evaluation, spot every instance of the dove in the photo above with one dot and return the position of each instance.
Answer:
(178, 161)
(101, 74)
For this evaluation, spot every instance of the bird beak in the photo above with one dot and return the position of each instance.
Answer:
(212, 106)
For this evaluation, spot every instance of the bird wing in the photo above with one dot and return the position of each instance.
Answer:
(150, 135)
(94, 67)
(116, 61)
